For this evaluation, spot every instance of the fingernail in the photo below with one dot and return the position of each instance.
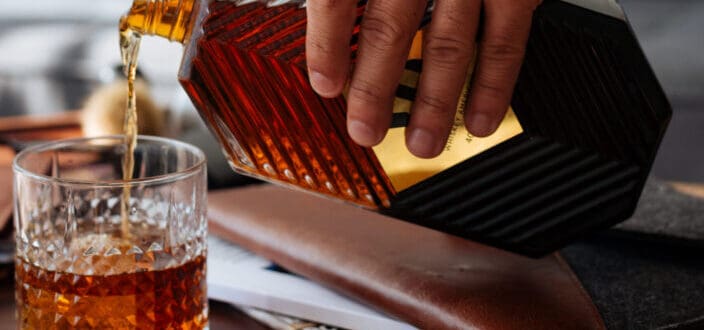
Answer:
(362, 133)
(323, 85)
(424, 144)
(480, 124)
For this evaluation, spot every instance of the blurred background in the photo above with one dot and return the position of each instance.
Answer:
(53, 54)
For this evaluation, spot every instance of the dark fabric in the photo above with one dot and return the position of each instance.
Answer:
(663, 211)
(649, 272)
(639, 284)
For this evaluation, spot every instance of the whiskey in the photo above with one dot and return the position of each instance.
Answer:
(172, 298)
(97, 280)
(76, 267)
(130, 42)
(571, 156)
(129, 51)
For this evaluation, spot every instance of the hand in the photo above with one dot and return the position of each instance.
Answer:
(387, 31)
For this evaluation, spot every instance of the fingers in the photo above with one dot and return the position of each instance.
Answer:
(328, 35)
(386, 33)
(507, 26)
(385, 37)
(447, 52)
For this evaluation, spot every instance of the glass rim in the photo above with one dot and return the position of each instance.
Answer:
(151, 180)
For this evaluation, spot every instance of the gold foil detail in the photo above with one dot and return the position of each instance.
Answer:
(405, 170)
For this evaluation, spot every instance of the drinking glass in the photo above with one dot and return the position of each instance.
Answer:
(84, 260)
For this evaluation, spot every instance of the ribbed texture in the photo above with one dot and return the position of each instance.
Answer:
(579, 89)
(249, 80)
(518, 193)
(592, 115)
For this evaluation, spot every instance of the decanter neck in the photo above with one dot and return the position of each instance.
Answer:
(165, 18)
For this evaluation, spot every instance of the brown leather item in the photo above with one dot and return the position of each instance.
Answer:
(5, 195)
(6, 156)
(41, 127)
(26, 129)
(427, 278)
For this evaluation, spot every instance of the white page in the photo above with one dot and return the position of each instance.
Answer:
(239, 277)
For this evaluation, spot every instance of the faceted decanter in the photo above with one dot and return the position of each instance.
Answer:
(571, 155)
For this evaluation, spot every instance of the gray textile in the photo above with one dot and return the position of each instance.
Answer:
(643, 275)
(640, 284)
(662, 211)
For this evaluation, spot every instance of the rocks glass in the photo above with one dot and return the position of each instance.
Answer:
(96, 251)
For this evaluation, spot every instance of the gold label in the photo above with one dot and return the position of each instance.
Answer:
(404, 169)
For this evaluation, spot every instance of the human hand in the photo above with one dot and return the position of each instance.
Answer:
(387, 30)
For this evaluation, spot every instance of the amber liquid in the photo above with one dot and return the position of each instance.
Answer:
(165, 299)
(245, 72)
(129, 49)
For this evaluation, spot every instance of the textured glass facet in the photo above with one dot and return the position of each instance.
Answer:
(76, 268)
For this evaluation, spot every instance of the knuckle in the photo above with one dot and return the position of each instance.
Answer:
(381, 32)
(434, 106)
(322, 48)
(447, 51)
(320, 55)
(365, 91)
(491, 84)
(318, 46)
(330, 5)
(503, 48)
(523, 5)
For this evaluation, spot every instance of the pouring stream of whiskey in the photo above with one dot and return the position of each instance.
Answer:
(129, 49)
